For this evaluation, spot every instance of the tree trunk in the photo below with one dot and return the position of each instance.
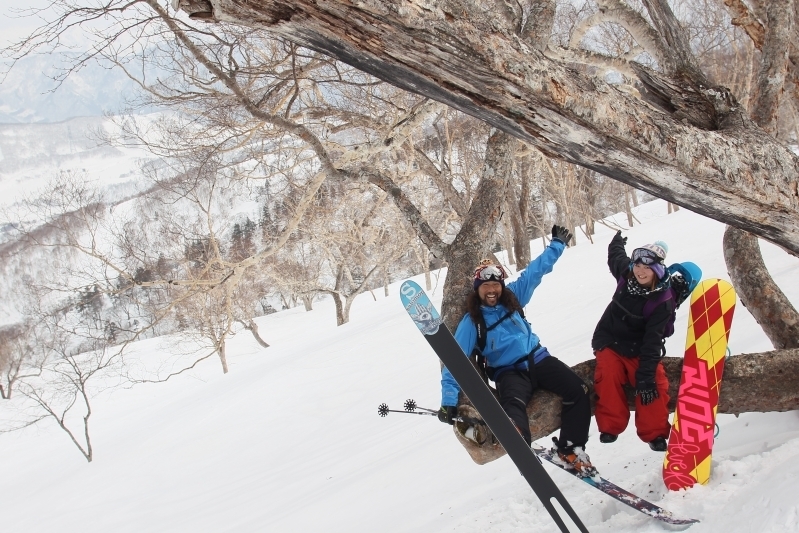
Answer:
(478, 231)
(222, 355)
(252, 327)
(757, 290)
(627, 207)
(755, 286)
(341, 318)
(735, 174)
(507, 235)
(521, 242)
(758, 382)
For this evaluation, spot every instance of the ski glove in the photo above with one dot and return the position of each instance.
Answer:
(648, 392)
(559, 233)
(622, 239)
(448, 414)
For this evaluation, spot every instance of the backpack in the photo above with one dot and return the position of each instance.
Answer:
(482, 330)
(684, 278)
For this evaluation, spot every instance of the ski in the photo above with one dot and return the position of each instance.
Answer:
(427, 319)
(614, 491)
(688, 457)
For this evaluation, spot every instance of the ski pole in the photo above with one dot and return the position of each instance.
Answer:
(383, 410)
(410, 405)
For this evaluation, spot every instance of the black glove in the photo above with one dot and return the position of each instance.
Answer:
(448, 414)
(559, 233)
(622, 239)
(647, 391)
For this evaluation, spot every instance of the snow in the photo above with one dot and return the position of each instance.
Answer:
(31, 155)
(290, 440)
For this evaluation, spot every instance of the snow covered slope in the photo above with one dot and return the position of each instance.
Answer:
(290, 440)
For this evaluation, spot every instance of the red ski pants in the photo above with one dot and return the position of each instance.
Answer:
(612, 412)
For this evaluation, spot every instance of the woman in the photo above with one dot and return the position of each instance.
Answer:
(511, 346)
(629, 342)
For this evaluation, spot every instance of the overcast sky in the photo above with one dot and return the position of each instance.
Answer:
(12, 25)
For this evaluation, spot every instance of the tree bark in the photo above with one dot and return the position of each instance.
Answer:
(252, 327)
(755, 286)
(757, 290)
(758, 382)
(771, 79)
(477, 233)
(733, 173)
(521, 242)
(341, 317)
(220, 350)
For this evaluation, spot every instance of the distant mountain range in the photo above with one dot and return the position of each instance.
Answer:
(29, 94)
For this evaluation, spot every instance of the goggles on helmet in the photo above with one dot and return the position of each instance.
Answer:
(645, 256)
(490, 272)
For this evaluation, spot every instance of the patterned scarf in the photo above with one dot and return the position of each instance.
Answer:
(635, 288)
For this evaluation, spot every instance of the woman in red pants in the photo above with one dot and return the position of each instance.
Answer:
(629, 342)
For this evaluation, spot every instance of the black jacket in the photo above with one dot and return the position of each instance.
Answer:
(622, 326)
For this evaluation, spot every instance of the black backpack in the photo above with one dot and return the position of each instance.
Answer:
(477, 357)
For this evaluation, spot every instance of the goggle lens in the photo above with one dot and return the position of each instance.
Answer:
(647, 257)
(489, 272)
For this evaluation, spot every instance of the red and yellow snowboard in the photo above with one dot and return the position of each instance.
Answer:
(687, 459)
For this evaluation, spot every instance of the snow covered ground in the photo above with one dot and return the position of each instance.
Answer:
(290, 440)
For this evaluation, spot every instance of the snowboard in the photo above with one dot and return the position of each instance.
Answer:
(614, 491)
(427, 319)
(688, 456)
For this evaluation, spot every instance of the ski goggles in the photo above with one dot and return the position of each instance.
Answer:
(645, 256)
(490, 273)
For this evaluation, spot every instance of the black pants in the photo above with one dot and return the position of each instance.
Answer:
(515, 390)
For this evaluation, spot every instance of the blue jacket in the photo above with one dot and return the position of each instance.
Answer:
(513, 338)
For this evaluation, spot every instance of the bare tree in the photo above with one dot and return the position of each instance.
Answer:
(70, 366)
(567, 105)
(666, 128)
(684, 139)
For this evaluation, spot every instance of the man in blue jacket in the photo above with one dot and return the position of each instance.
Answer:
(515, 359)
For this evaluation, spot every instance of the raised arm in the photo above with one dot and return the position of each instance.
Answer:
(531, 276)
(618, 260)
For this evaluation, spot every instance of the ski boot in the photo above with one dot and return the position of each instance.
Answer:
(574, 458)
(472, 427)
(607, 438)
(659, 444)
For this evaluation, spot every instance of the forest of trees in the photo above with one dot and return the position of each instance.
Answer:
(309, 150)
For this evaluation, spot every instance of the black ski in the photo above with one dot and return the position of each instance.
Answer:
(427, 319)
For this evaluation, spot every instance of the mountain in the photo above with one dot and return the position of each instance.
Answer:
(28, 94)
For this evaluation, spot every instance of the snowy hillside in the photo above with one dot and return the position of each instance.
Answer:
(31, 155)
(290, 440)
